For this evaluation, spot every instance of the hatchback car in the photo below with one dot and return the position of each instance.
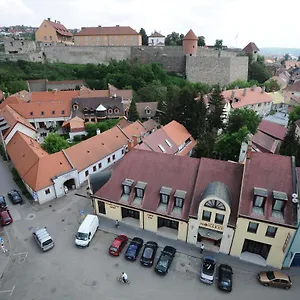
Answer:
(276, 279)
(164, 262)
(2, 202)
(5, 217)
(118, 245)
(15, 197)
(134, 248)
(148, 254)
(225, 278)
(207, 272)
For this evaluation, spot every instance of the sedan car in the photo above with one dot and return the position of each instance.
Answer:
(117, 245)
(5, 217)
(2, 202)
(164, 262)
(276, 279)
(225, 278)
(15, 197)
(148, 254)
(134, 248)
(207, 272)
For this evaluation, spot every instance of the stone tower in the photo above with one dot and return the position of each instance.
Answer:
(190, 43)
(251, 48)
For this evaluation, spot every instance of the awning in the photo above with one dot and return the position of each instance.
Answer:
(209, 233)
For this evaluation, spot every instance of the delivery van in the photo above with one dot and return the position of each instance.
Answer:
(43, 239)
(86, 231)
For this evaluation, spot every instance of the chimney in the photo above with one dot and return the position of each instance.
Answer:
(249, 148)
(232, 94)
(58, 22)
(253, 88)
(54, 21)
(49, 19)
(245, 92)
(263, 89)
(117, 25)
(115, 95)
(99, 25)
(98, 131)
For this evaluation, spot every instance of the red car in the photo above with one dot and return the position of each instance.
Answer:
(117, 245)
(5, 217)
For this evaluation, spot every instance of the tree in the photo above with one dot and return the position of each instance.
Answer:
(201, 41)
(272, 85)
(54, 143)
(244, 117)
(205, 145)
(258, 71)
(286, 57)
(298, 58)
(290, 144)
(241, 84)
(218, 44)
(294, 115)
(174, 39)
(144, 37)
(91, 128)
(153, 92)
(215, 116)
(133, 114)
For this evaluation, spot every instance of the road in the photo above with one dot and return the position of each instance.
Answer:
(66, 272)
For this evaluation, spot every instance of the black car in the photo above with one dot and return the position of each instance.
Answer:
(164, 262)
(134, 248)
(148, 254)
(15, 197)
(225, 278)
(2, 202)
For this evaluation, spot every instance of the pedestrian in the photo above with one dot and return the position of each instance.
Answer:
(201, 248)
(3, 249)
(117, 223)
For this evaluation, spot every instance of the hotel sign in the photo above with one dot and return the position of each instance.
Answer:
(286, 242)
(212, 226)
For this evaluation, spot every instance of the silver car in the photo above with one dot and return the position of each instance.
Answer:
(43, 239)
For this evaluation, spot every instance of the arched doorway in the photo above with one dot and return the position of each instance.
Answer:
(69, 185)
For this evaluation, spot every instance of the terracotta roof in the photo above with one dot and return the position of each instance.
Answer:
(113, 30)
(159, 142)
(87, 152)
(190, 35)
(272, 129)
(252, 97)
(291, 64)
(156, 34)
(134, 129)
(60, 28)
(294, 87)
(12, 118)
(251, 47)
(150, 125)
(157, 170)
(64, 96)
(264, 142)
(273, 173)
(9, 100)
(217, 170)
(177, 133)
(123, 122)
(142, 108)
(76, 124)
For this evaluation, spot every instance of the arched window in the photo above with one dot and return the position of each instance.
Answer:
(215, 204)
(110, 111)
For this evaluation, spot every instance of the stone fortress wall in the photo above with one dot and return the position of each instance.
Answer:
(208, 65)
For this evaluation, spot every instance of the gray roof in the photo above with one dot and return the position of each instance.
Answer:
(142, 107)
(217, 189)
(98, 180)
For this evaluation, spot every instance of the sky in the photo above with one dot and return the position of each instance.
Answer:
(236, 22)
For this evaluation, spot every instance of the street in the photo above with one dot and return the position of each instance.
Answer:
(66, 272)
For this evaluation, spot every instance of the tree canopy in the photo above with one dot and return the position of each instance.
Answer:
(294, 115)
(91, 128)
(201, 41)
(133, 114)
(257, 70)
(174, 39)
(144, 37)
(54, 143)
(218, 44)
(272, 85)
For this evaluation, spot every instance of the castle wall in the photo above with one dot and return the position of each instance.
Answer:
(239, 68)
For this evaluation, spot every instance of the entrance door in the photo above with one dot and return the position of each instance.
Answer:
(130, 213)
(256, 248)
(296, 260)
(101, 207)
(167, 223)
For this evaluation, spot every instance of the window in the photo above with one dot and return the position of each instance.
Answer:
(215, 204)
(99, 165)
(126, 189)
(206, 215)
(45, 38)
(271, 231)
(219, 219)
(168, 143)
(42, 113)
(110, 111)
(278, 205)
(165, 193)
(164, 198)
(108, 160)
(53, 112)
(161, 148)
(31, 113)
(179, 202)
(94, 168)
(122, 151)
(62, 112)
(114, 156)
(252, 227)
(139, 193)
(47, 191)
(259, 201)
(50, 37)
(86, 173)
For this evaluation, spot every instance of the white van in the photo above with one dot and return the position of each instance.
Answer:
(86, 231)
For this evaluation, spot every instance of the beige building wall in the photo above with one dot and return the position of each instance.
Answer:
(150, 222)
(46, 33)
(182, 231)
(113, 211)
(276, 254)
(108, 40)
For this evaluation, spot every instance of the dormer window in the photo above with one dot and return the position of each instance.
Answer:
(127, 185)
(140, 189)
(179, 198)
(280, 199)
(260, 196)
(116, 111)
(75, 107)
(110, 111)
(165, 193)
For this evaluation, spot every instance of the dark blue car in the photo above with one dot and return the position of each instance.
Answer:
(134, 248)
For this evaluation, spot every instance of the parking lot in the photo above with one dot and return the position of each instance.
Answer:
(66, 272)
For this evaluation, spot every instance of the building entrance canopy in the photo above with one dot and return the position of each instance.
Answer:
(210, 233)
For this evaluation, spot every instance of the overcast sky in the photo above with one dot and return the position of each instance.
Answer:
(265, 22)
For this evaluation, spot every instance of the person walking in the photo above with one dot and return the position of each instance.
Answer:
(3, 248)
(201, 248)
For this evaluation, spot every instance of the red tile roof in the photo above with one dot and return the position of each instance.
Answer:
(216, 170)
(264, 142)
(60, 28)
(156, 34)
(272, 129)
(251, 47)
(270, 172)
(190, 35)
(135, 129)
(113, 30)
(157, 170)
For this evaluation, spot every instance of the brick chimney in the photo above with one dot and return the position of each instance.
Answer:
(249, 149)
(49, 19)
(263, 89)
(245, 92)
(232, 93)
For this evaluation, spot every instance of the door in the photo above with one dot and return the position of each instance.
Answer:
(101, 207)
(276, 283)
(296, 260)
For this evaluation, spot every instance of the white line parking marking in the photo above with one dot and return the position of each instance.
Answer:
(22, 257)
(9, 291)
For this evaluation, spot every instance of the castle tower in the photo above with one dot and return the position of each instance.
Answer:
(251, 48)
(190, 43)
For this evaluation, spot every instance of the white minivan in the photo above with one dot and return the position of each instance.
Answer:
(86, 231)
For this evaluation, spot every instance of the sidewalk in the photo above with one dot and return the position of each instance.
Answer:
(4, 257)
(108, 225)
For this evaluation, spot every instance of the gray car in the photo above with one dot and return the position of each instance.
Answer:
(43, 239)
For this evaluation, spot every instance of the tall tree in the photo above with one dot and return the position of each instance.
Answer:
(218, 44)
(294, 115)
(144, 37)
(201, 41)
(174, 39)
(133, 114)
(272, 85)
(54, 143)
(290, 144)
(286, 57)
(205, 145)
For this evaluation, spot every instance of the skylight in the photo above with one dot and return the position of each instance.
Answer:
(168, 143)
(162, 148)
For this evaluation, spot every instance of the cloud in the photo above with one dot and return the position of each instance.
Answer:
(262, 22)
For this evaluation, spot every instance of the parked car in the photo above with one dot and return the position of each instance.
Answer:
(2, 202)
(43, 239)
(207, 272)
(134, 248)
(15, 197)
(225, 278)
(5, 217)
(117, 245)
(277, 279)
(164, 262)
(148, 254)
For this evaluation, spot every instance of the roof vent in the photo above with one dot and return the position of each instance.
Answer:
(88, 151)
(253, 88)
